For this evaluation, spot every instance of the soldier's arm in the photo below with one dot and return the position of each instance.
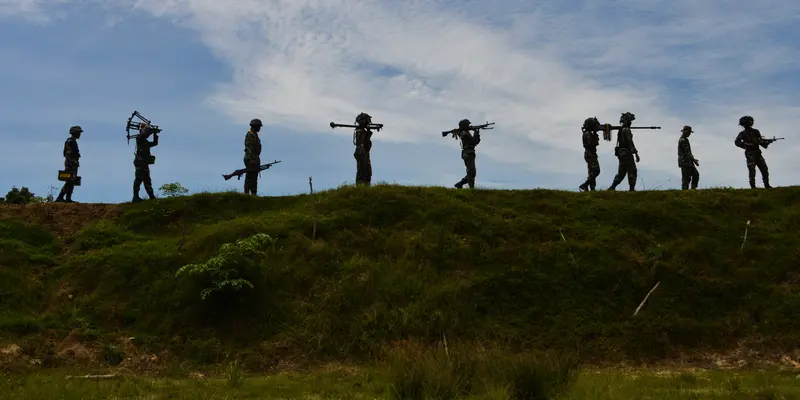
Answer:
(477, 137)
(249, 145)
(630, 142)
(739, 142)
(155, 140)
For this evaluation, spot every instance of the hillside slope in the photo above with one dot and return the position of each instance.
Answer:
(355, 269)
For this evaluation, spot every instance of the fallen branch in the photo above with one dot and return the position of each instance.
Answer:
(745, 235)
(314, 232)
(568, 249)
(645, 298)
(94, 377)
(446, 351)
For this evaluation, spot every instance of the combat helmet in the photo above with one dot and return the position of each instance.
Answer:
(75, 130)
(464, 123)
(746, 121)
(627, 117)
(591, 125)
(363, 118)
(256, 122)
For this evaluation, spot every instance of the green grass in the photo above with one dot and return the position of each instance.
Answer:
(374, 384)
(354, 270)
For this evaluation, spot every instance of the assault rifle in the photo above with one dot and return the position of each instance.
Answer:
(773, 140)
(239, 172)
(472, 127)
(137, 126)
(377, 127)
(607, 128)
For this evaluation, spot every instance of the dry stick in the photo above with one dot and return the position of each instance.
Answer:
(95, 377)
(745, 235)
(314, 232)
(645, 298)
(570, 251)
(446, 351)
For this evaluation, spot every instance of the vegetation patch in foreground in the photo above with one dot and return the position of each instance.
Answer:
(343, 274)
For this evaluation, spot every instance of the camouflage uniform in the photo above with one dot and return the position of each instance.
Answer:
(686, 160)
(142, 162)
(625, 152)
(72, 156)
(362, 139)
(750, 139)
(590, 142)
(252, 157)
(468, 144)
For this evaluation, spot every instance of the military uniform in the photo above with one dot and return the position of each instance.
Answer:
(362, 139)
(72, 157)
(252, 157)
(141, 163)
(686, 161)
(750, 139)
(590, 142)
(468, 143)
(626, 152)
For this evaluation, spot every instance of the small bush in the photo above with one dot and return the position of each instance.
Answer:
(230, 269)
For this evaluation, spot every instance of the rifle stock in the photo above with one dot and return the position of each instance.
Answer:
(239, 172)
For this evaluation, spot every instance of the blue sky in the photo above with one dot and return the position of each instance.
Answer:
(201, 69)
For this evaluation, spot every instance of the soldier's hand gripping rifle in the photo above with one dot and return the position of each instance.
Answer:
(137, 126)
(453, 132)
(607, 128)
(239, 172)
(377, 127)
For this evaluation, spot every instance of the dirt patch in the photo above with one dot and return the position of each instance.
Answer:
(63, 218)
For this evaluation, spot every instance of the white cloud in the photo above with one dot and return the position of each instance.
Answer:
(304, 63)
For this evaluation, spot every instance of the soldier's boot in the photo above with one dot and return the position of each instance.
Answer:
(583, 187)
(766, 183)
(60, 198)
(69, 199)
(150, 193)
(752, 184)
(471, 184)
(459, 185)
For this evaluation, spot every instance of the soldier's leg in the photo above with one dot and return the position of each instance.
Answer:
(633, 172)
(460, 184)
(359, 168)
(761, 163)
(695, 175)
(71, 186)
(585, 185)
(622, 170)
(148, 183)
(685, 177)
(137, 183)
(251, 182)
(594, 172)
(367, 169)
(751, 170)
(472, 172)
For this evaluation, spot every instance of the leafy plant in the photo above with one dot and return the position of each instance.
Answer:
(228, 270)
(173, 189)
(23, 196)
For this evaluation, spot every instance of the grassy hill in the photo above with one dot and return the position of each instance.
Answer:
(350, 271)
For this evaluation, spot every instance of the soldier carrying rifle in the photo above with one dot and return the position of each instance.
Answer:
(252, 157)
(468, 143)
(72, 157)
(590, 142)
(362, 139)
(750, 139)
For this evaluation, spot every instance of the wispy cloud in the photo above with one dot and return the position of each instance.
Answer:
(536, 68)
